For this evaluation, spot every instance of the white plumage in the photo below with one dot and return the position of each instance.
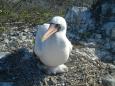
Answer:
(54, 51)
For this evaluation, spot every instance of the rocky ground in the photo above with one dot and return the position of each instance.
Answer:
(92, 32)
(20, 68)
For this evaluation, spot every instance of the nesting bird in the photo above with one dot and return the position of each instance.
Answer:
(52, 46)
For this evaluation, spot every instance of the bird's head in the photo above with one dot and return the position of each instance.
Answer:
(57, 24)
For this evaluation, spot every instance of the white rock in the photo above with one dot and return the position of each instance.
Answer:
(6, 41)
(23, 37)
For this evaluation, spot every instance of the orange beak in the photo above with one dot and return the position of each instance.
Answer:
(51, 30)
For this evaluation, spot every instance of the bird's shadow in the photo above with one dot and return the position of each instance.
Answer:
(21, 68)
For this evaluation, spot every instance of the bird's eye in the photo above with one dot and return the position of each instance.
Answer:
(58, 26)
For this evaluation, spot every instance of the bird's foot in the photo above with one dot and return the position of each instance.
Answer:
(57, 70)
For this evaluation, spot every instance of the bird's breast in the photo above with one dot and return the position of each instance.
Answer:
(55, 52)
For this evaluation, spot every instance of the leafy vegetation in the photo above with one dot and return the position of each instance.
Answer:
(34, 13)
(33, 16)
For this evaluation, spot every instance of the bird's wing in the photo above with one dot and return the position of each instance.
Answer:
(41, 31)
(38, 43)
(69, 44)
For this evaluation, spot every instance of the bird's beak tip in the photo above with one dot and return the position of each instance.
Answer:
(42, 39)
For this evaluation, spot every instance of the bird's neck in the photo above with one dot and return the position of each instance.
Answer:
(63, 30)
(61, 33)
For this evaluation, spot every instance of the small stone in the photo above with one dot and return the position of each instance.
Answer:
(6, 41)
(13, 38)
(14, 33)
(23, 37)
(14, 28)
(26, 30)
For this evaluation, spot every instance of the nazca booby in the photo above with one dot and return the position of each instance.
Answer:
(52, 46)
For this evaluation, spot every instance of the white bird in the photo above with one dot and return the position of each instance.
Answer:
(52, 46)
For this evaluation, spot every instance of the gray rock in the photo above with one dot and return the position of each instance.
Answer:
(88, 53)
(112, 67)
(102, 54)
(107, 45)
(99, 41)
(98, 36)
(80, 21)
(6, 83)
(108, 27)
(108, 58)
(113, 46)
(105, 7)
(91, 40)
